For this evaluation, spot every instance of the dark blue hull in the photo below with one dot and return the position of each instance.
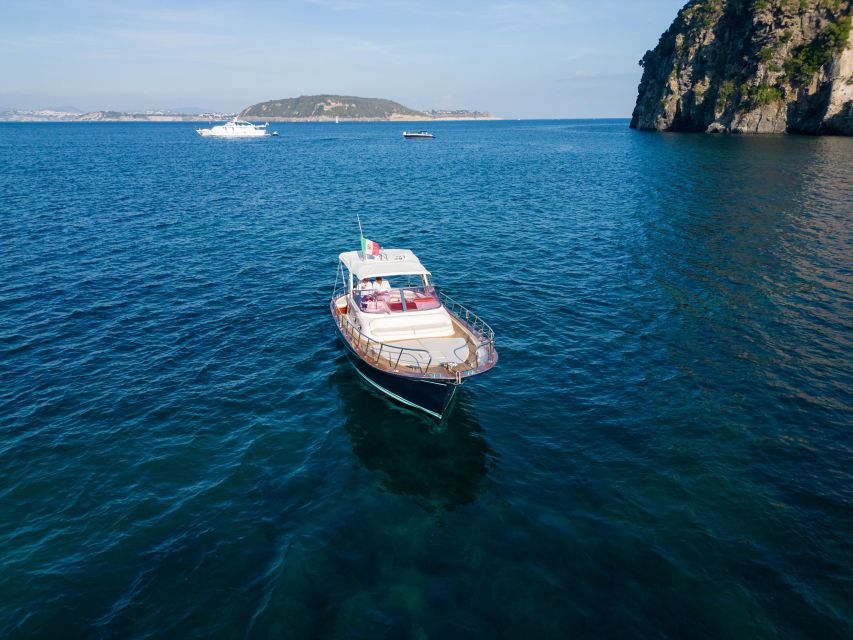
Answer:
(431, 396)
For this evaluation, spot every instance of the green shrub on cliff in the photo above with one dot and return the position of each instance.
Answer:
(838, 32)
(806, 60)
(764, 94)
(725, 92)
(831, 4)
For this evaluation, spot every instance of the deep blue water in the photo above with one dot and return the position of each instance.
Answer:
(664, 449)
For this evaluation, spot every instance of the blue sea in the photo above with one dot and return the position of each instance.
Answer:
(665, 449)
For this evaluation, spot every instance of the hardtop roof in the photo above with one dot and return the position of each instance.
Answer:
(391, 262)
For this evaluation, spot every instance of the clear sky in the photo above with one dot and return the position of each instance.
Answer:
(534, 59)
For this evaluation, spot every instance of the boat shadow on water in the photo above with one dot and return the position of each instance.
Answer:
(442, 465)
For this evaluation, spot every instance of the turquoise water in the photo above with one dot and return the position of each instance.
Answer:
(664, 449)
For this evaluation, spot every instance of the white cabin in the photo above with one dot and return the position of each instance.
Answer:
(405, 307)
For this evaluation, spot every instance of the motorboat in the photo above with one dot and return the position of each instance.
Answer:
(417, 134)
(402, 335)
(235, 129)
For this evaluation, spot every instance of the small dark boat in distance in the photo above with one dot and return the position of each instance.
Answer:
(417, 134)
(410, 341)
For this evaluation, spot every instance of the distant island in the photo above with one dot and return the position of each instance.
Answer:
(320, 108)
(751, 66)
(323, 108)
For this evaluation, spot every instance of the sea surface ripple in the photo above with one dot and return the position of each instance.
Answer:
(664, 450)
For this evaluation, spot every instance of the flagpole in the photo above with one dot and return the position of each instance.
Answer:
(360, 234)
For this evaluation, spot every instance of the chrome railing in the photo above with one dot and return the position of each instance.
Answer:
(475, 324)
(380, 352)
(418, 360)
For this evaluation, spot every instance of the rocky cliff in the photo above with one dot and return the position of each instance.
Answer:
(751, 66)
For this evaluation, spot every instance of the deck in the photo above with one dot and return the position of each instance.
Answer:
(460, 347)
(422, 357)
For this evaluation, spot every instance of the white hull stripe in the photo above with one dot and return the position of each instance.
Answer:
(396, 397)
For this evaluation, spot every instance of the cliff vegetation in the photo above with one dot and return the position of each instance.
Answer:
(328, 106)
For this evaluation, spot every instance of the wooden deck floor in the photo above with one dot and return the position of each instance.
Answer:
(405, 363)
(388, 359)
(460, 337)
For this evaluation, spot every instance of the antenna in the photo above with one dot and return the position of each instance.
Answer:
(360, 236)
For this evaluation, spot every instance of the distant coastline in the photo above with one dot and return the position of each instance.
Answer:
(319, 108)
(97, 117)
(393, 118)
(135, 117)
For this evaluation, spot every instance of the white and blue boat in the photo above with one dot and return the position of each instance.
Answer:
(404, 337)
(236, 129)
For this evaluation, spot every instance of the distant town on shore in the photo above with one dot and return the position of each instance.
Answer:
(319, 108)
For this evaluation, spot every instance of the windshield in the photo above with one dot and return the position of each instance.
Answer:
(400, 300)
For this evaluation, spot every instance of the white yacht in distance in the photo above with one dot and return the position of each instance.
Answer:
(235, 129)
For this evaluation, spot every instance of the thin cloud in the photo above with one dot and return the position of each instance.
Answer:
(582, 76)
(167, 39)
(340, 5)
(369, 46)
(521, 14)
(211, 15)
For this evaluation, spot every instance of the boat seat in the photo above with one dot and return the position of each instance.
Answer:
(374, 306)
(433, 328)
(437, 329)
(424, 303)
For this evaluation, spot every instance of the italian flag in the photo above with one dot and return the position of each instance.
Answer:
(369, 247)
